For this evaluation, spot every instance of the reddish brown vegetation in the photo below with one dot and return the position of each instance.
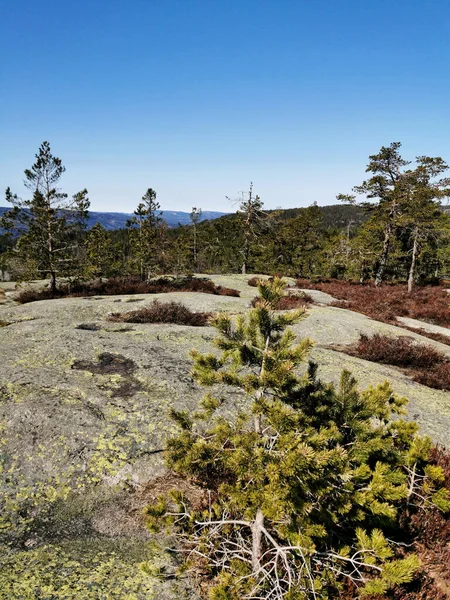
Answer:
(157, 312)
(438, 377)
(399, 351)
(430, 304)
(289, 302)
(294, 301)
(437, 337)
(424, 363)
(254, 281)
(118, 286)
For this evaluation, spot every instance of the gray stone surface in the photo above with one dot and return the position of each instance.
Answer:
(93, 432)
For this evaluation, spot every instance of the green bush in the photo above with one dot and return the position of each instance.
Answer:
(304, 490)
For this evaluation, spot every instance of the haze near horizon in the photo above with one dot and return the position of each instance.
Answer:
(195, 99)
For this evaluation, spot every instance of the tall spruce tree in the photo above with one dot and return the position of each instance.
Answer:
(297, 494)
(144, 227)
(49, 225)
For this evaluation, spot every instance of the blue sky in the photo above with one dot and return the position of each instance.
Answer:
(195, 98)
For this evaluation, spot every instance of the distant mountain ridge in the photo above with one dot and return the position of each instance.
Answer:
(118, 220)
(337, 216)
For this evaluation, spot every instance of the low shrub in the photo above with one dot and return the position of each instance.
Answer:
(432, 335)
(431, 530)
(292, 301)
(289, 302)
(89, 326)
(430, 304)
(118, 286)
(34, 295)
(437, 377)
(399, 351)
(158, 312)
(423, 363)
(254, 281)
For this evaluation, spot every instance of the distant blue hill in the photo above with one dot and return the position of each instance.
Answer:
(117, 220)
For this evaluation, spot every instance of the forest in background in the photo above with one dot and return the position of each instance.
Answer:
(398, 232)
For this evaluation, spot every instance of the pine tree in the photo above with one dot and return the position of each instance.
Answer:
(300, 489)
(100, 252)
(403, 198)
(252, 218)
(422, 216)
(49, 225)
(145, 225)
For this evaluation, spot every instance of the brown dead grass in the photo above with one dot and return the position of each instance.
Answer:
(196, 496)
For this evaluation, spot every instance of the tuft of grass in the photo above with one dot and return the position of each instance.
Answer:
(158, 312)
(430, 304)
(118, 286)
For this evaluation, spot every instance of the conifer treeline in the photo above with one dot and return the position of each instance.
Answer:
(400, 234)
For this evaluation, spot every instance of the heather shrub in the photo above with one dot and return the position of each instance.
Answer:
(437, 377)
(158, 312)
(424, 364)
(118, 286)
(432, 335)
(289, 302)
(430, 304)
(35, 295)
(254, 281)
(399, 351)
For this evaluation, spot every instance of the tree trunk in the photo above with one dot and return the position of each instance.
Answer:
(256, 540)
(53, 282)
(245, 253)
(246, 250)
(384, 255)
(195, 247)
(412, 267)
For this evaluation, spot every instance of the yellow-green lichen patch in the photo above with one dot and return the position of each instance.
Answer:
(64, 572)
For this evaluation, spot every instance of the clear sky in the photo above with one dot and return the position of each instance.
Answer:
(195, 98)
